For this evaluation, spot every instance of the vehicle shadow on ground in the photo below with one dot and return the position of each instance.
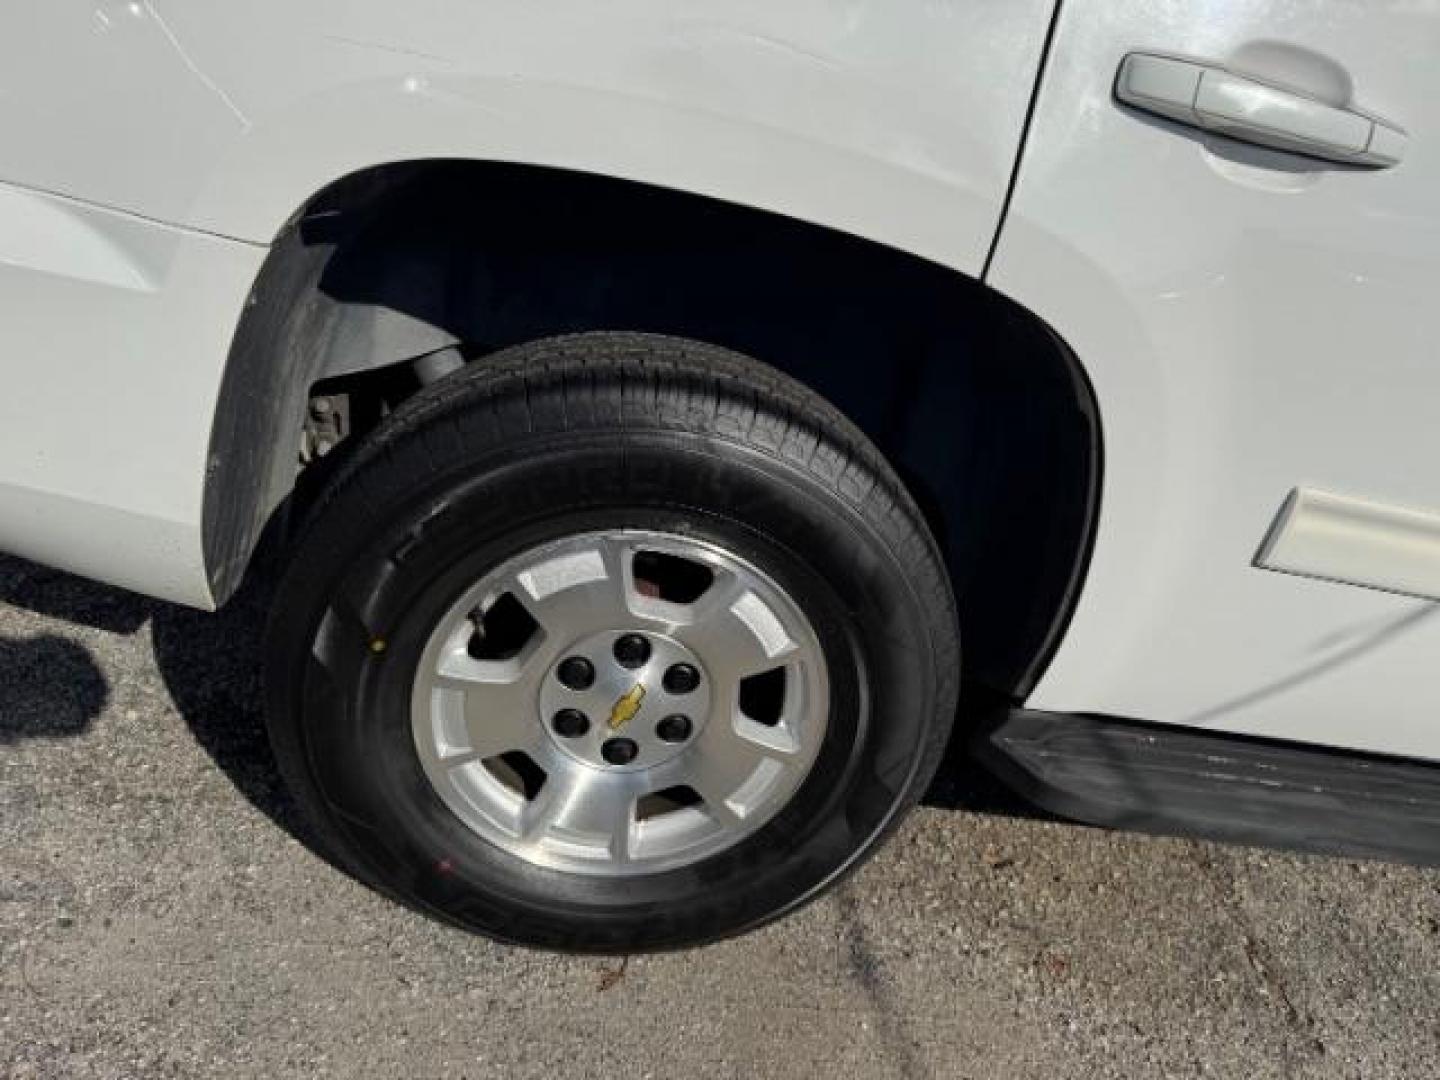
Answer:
(49, 688)
(210, 663)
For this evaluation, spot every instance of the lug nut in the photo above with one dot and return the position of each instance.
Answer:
(674, 728)
(680, 679)
(631, 651)
(571, 723)
(576, 673)
(619, 751)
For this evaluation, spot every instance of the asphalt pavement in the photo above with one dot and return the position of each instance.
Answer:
(159, 917)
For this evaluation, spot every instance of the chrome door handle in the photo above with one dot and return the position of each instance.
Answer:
(1207, 96)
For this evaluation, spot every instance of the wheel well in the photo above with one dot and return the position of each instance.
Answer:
(984, 412)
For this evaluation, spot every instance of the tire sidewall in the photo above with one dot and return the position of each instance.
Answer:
(347, 706)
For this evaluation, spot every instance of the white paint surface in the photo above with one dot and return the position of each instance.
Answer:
(1251, 323)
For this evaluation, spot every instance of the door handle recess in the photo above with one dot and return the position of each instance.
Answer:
(1207, 96)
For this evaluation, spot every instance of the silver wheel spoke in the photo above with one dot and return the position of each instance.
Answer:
(585, 813)
(731, 773)
(579, 592)
(738, 632)
(498, 708)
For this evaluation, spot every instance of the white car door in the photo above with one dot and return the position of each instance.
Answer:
(1254, 321)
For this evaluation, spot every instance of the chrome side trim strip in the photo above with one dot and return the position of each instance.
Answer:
(1356, 542)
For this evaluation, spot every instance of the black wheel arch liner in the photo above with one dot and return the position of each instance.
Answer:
(291, 335)
(294, 333)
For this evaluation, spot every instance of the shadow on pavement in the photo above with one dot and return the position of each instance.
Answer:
(49, 687)
(210, 663)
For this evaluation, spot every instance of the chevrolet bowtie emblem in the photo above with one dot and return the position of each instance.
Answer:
(625, 709)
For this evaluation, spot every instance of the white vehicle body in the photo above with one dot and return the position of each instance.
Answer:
(1251, 322)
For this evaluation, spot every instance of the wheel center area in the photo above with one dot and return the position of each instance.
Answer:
(625, 700)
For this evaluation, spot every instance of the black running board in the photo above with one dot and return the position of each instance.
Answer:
(1181, 781)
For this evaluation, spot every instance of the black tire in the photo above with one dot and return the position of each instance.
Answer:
(606, 431)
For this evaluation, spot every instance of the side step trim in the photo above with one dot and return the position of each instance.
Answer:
(1186, 782)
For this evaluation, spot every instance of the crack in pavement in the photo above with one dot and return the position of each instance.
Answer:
(1257, 954)
(863, 967)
